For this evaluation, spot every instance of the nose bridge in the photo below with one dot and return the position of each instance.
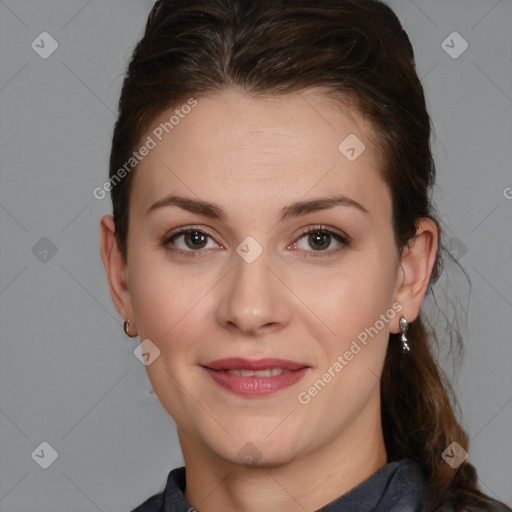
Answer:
(253, 299)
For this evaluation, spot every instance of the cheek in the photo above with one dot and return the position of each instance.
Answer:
(357, 306)
(174, 309)
(169, 312)
(163, 294)
(356, 295)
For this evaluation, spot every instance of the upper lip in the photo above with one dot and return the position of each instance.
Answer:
(240, 363)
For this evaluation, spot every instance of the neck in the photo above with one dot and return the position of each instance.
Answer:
(308, 482)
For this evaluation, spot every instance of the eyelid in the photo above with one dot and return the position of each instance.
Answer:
(327, 229)
(185, 229)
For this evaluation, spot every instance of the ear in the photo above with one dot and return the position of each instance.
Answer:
(115, 269)
(416, 266)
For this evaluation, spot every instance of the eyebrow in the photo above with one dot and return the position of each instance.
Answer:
(296, 209)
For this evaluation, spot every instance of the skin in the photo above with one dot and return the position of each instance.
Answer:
(252, 157)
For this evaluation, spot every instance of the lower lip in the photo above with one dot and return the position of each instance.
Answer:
(255, 386)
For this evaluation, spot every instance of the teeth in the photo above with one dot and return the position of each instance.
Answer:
(271, 372)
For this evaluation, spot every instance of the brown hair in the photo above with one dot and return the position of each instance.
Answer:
(357, 50)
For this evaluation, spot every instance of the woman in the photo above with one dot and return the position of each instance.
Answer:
(271, 243)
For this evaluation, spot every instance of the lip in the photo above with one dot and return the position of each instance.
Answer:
(254, 386)
(240, 363)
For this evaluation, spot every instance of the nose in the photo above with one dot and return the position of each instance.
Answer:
(254, 299)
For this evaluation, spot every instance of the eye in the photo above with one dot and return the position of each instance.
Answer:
(193, 241)
(189, 241)
(320, 238)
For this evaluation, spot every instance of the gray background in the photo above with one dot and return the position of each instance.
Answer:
(68, 374)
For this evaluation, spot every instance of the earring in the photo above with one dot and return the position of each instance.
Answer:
(125, 328)
(403, 338)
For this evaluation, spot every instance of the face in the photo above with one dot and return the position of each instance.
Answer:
(281, 250)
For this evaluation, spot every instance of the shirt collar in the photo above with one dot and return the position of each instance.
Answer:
(400, 486)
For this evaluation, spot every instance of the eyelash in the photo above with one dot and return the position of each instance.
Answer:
(342, 239)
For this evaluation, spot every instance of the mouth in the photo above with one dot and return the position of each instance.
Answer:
(253, 378)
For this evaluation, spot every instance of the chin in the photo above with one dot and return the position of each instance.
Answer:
(253, 451)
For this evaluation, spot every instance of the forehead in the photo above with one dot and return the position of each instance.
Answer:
(231, 146)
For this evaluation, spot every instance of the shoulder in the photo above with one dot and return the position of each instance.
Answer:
(486, 506)
(455, 500)
(171, 497)
(407, 489)
(153, 504)
(472, 503)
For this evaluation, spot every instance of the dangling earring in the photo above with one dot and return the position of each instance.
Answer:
(125, 328)
(403, 338)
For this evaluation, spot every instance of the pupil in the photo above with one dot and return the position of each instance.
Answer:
(196, 238)
(317, 239)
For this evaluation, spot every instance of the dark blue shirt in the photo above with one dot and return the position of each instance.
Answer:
(397, 487)
(400, 486)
